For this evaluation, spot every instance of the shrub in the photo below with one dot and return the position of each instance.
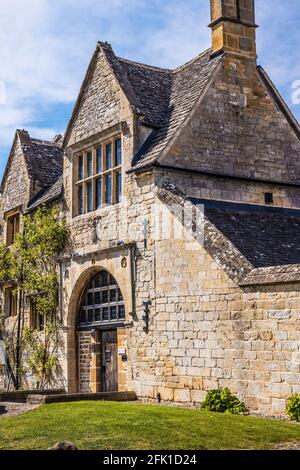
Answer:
(223, 401)
(293, 408)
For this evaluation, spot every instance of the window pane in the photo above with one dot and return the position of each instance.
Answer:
(120, 296)
(113, 313)
(89, 196)
(97, 281)
(13, 224)
(99, 160)
(105, 297)
(105, 314)
(118, 152)
(90, 299)
(98, 193)
(80, 199)
(108, 156)
(118, 186)
(97, 298)
(97, 314)
(80, 168)
(113, 296)
(121, 312)
(89, 164)
(104, 278)
(108, 189)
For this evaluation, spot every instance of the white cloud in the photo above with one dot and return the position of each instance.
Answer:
(45, 47)
(182, 36)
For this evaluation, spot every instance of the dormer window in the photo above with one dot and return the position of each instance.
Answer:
(98, 177)
(12, 228)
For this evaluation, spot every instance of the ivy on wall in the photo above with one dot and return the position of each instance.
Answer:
(31, 265)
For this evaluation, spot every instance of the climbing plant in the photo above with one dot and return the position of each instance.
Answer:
(31, 264)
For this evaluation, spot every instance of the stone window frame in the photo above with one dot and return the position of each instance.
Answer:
(37, 321)
(86, 177)
(13, 222)
(10, 302)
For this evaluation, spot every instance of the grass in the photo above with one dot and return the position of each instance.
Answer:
(113, 426)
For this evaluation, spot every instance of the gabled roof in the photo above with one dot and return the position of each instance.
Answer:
(152, 87)
(43, 159)
(253, 244)
(45, 196)
(266, 236)
(163, 98)
(188, 85)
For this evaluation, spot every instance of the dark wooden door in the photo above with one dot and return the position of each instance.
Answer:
(109, 361)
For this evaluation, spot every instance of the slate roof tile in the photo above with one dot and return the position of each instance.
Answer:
(164, 97)
(45, 196)
(44, 161)
(265, 236)
(167, 98)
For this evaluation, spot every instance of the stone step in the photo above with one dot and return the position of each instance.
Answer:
(103, 396)
(20, 396)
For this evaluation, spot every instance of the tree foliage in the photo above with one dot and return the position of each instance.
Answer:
(31, 265)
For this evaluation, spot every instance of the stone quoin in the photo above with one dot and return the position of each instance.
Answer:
(181, 193)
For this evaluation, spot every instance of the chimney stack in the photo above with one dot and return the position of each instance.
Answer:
(233, 27)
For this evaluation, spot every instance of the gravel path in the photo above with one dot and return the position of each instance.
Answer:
(14, 409)
(288, 446)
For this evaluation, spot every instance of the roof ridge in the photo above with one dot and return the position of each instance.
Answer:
(162, 69)
(181, 67)
(45, 142)
(150, 67)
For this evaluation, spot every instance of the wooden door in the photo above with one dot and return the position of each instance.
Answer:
(109, 361)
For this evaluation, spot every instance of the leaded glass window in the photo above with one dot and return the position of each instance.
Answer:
(102, 301)
(98, 177)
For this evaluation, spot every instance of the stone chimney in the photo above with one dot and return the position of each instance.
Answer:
(233, 27)
(24, 136)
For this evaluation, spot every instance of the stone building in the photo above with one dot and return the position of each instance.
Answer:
(181, 192)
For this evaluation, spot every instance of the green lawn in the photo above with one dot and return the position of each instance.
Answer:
(111, 426)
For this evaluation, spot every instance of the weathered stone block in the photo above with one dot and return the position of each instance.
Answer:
(182, 396)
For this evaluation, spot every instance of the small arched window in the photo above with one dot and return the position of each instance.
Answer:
(102, 302)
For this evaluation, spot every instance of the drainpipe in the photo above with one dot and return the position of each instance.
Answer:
(133, 278)
(18, 345)
(61, 281)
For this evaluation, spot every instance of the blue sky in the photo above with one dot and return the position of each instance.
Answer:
(45, 47)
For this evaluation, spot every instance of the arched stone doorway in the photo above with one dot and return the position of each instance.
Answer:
(95, 330)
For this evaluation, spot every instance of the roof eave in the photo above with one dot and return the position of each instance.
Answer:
(279, 101)
(10, 157)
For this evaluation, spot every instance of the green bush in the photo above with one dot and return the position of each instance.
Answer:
(293, 408)
(223, 401)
